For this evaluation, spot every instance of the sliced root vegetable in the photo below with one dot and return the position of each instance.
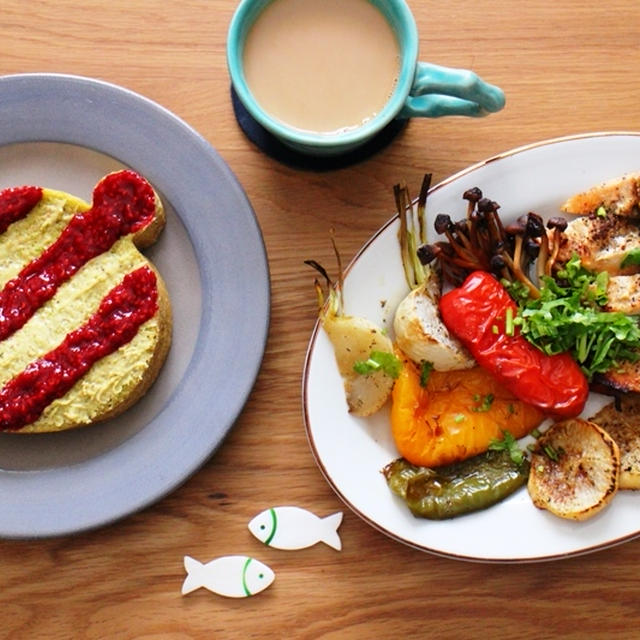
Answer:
(421, 334)
(355, 340)
(364, 354)
(575, 469)
(418, 327)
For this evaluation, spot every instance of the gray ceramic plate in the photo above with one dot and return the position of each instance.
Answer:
(66, 132)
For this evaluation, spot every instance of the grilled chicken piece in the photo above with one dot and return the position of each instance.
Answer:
(623, 426)
(601, 242)
(607, 230)
(575, 469)
(620, 197)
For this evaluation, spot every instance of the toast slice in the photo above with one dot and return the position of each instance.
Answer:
(85, 318)
(623, 425)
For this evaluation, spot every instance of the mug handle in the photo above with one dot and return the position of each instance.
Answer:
(444, 91)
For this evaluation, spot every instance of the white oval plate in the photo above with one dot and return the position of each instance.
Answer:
(351, 451)
(66, 132)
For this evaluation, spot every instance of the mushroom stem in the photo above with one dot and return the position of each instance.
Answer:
(534, 292)
(557, 225)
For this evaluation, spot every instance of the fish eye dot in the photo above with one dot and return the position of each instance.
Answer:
(263, 527)
(261, 576)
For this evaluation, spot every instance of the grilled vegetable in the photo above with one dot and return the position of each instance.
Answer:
(552, 383)
(456, 489)
(454, 416)
(575, 469)
(419, 330)
(364, 354)
(482, 242)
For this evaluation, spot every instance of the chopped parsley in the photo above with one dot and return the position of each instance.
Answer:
(485, 402)
(631, 258)
(379, 361)
(508, 323)
(509, 444)
(552, 453)
(569, 316)
(426, 368)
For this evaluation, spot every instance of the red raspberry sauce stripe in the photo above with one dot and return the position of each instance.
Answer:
(117, 320)
(15, 203)
(123, 202)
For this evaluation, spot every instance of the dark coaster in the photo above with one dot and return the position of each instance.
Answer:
(270, 145)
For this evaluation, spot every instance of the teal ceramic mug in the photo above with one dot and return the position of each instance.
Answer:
(420, 89)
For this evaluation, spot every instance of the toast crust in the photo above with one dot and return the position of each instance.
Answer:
(623, 425)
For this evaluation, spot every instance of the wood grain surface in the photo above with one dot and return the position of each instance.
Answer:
(566, 67)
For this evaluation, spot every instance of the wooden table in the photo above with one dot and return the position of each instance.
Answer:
(566, 67)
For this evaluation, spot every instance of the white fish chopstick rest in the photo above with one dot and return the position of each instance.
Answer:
(295, 528)
(230, 576)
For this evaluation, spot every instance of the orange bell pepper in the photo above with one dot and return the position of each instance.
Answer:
(455, 415)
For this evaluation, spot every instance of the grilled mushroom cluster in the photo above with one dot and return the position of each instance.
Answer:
(522, 251)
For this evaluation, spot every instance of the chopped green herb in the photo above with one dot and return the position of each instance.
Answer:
(426, 368)
(551, 452)
(510, 444)
(487, 401)
(569, 316)
(379, 360)
(601, 212)
(631, 258)
(494, 328)
(508, 323)
(459, 417)
(517, 290)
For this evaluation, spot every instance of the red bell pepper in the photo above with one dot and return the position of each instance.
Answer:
(477, 313)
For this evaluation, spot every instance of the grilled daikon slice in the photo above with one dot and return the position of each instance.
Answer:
(575, 469)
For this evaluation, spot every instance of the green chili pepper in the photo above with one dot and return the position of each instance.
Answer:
(456, 489)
